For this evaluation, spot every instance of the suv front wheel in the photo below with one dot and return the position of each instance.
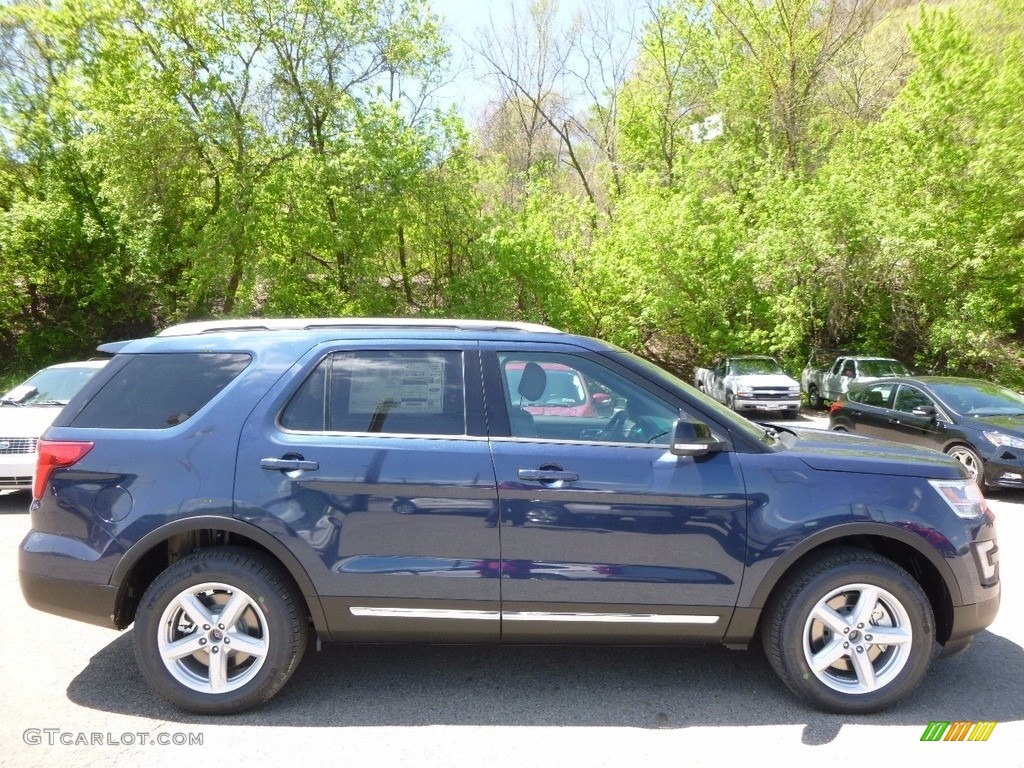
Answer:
(220, 631)
(852, 632)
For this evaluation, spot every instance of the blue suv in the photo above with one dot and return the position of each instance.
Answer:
(236, 489)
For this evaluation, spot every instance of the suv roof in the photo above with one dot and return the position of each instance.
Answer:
(322, 323)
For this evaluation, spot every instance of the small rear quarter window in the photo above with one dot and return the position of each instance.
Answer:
(160, 391)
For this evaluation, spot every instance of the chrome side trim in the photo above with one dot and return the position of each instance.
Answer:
(610, 618)
(424, 613)
(388, 435)
(566, 616)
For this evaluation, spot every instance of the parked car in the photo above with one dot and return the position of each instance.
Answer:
(27, 410)
(751, 383)
(566, 391)
(236, 492)
(826, 385)
(978, 423)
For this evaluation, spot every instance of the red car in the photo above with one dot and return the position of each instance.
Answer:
(566, 392)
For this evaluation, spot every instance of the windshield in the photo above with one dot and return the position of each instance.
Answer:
(879, 368)
(748, 366)
(723, 414)
(980, 398)
(51, 386)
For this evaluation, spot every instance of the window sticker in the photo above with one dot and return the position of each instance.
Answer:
(405, 386)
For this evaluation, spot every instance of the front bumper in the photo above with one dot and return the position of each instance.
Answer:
(761, 404)
(1005, 470)
(970, 619)
(16, 470)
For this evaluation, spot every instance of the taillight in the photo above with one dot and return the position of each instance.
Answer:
(836, 407)
(54, 454)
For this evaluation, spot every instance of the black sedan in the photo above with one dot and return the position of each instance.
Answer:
(978, 423)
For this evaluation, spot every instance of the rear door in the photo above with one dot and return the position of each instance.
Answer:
(371, 461)
(604, 533)
(870, 409)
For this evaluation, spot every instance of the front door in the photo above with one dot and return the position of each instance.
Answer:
(915, 428)
(602, 527)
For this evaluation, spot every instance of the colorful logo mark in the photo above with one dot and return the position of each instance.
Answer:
(959, 730)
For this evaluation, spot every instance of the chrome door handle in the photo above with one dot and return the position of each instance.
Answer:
(548, 475)
(289, 465)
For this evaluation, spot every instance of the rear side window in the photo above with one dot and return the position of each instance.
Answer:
(400, 392)
(160, 391)
(877, 395)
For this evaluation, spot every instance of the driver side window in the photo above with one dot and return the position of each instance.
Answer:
(909, 398)
(565, 397)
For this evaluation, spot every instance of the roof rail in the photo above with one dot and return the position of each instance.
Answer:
(324, 323)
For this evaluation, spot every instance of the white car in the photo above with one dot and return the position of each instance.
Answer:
(28, 409)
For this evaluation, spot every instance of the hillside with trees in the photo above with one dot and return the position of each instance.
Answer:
(681, 177)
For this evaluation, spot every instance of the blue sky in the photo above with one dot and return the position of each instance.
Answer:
(462, 19)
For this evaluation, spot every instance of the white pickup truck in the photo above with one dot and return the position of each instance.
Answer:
(825, 385)
(750, 383)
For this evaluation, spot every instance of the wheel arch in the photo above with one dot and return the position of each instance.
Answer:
(161, 547)
(959, 442)
(902, 547)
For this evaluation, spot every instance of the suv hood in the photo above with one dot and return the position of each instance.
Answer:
(841, 452)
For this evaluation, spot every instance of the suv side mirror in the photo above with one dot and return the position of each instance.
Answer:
(693, 438)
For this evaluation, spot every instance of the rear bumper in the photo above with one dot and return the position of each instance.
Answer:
(91, 603)
(66, 577)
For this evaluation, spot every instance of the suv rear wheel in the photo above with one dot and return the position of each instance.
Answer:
(852, 632)
(220, 631)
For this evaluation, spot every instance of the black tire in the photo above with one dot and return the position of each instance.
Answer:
(270, 621)
(971, 461)
(813, 399)
(730, 401)
(858, 674)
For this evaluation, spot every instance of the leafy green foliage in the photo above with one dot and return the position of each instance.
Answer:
(769, 177)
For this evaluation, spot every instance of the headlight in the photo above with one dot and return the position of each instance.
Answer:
(794, 390)
(998, 438)
(963, 497)
(745, 389)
